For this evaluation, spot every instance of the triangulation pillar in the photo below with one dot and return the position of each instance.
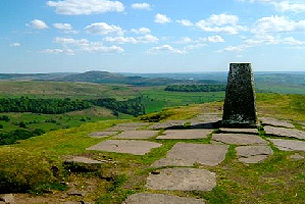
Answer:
(240, 106)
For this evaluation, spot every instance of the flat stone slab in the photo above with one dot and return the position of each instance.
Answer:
(103, 134)
(239, 130)
(185, 134)
(182, 179)
(146, 198)
(288, 145)
(136, 134)
(127, 126)
(253, 154)
(82, 160)
(169, 124)
(126, 146)
(284, 132)
(208, 117)
(276, 122)
(296, 157)
(185, 154)
(239, 139)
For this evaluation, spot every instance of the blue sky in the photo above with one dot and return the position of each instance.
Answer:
(151, 36)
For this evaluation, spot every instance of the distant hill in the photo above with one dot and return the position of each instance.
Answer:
(108, 77)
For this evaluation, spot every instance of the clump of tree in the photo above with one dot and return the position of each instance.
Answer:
(5, 118)
(19, 134)
(133, 107)
(46, 106)
(196, 88)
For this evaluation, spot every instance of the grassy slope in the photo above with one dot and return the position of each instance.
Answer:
(278, 180)
(65, 90)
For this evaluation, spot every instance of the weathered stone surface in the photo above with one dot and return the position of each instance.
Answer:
(240, 130)
(184, 154)
(296, 157)
(169, 124)
(127, 126)
(182, 179)
(288, 145)
(284, 132)
(103, 134)
(8, 198)
(208, 118)
(239, 139)
(253, 159)
(253, 154)
(125, 146)
(276, 122)
(83, 160)
(239, 106)
(137, 134)
(185, 134)
(146, 198)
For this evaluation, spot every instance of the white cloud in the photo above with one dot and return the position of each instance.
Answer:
(37, 24)
(162, 19)
(274, 24)
(185, 22)
(71, 41)
(16, 44)
(184, 40)
(85, 7)
(295, 6)
(166, 49)
(53, 51)
(212, 39)
(263, 40)
(141, 6)
(195, 46)
(72, 46)
(65, 27)
(221, 23)
(133, 40)
(103, 29)
(142, 30)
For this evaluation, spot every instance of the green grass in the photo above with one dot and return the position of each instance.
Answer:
(156, 99)
(277, 180)
(38, 89)
(281, 88)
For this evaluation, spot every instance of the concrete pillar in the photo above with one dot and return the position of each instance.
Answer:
(240, 106)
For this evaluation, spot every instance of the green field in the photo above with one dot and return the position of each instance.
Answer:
(41, 89)
(156, 99)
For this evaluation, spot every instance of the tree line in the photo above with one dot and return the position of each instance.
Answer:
(133, 107)
(47, 106)
(196, 88)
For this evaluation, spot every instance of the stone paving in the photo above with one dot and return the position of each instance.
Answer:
(126, 146)
(184, 154)
(146, 198)
(137, 134)
(177, 169)
(288, 145)
(253, 154)
(275, 122)
(182, 179)
(185, 134)
(169, 124)
(127, 126)
(284, 132)
(239, 130)
(239, 139)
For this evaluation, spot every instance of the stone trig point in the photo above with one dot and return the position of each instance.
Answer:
(240, 106)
